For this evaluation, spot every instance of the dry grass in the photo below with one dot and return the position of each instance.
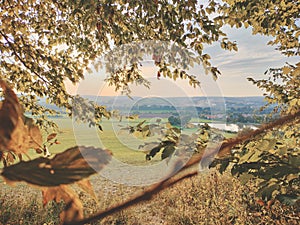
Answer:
(209, 198)
(23, 205)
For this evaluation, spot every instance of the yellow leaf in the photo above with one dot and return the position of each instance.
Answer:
(168, 125)
(286, 70)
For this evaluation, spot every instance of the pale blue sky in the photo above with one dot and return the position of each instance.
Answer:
(253, 58)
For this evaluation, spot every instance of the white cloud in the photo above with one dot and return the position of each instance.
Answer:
(253, 58)
(254, 55)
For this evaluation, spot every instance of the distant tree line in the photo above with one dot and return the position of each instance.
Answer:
(179, 121)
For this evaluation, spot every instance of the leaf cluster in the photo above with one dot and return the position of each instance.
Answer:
(174, 141)
(272, 159)
(43, 44)
(274, 18)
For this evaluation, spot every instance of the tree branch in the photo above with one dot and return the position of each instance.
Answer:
(19, 57)
(144, 196)
(227, 145)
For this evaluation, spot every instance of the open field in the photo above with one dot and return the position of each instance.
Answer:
(123, 145)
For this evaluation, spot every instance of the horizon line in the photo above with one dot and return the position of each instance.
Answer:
(228, 96)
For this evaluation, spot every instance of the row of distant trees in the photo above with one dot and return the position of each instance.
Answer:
(181, 121)
(242, 114)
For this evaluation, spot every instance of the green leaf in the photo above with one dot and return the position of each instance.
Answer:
(288, 199)
(224, 165)
(245, 177)
(153, 152)
(168, 151)
(266, 193)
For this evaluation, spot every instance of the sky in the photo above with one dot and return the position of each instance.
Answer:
(253, 58)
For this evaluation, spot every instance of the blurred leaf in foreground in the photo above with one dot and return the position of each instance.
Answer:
(70, 166)
(12, 130)
(18, 133)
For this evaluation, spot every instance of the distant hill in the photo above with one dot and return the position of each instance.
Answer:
(203, 105)
(124, 101)
(233, 109)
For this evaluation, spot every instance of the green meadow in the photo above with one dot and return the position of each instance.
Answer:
(123, 145)
(114, 137)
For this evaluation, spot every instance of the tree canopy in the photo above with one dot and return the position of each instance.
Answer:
(44, 43)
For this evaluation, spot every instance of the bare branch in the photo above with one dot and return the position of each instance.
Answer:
(144, 196)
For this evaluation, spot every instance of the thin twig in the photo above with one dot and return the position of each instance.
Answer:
(144, 196)
(19, 57)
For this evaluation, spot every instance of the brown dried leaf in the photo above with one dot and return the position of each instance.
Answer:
(67, 167)
(10, 114)
(35, 136)
(86, 186)
(260, 202)
(39, 150)
(10, 158)
(34, 133)
(20, 157)
(74, 208)
(51, 136)
(19, 141)
(270, 203)
(15, 136)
